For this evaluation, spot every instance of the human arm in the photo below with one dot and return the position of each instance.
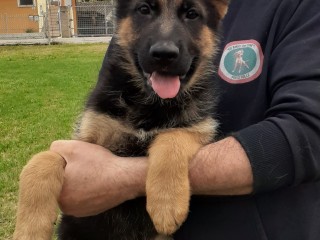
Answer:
(221, 168)
(276, 117)
(97, 180)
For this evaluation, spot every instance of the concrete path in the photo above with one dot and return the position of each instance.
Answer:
(55, 40)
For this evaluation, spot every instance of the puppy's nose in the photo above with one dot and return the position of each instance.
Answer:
(164, 51)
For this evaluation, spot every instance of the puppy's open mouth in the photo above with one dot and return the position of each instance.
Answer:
(166, 83)
(165, 86)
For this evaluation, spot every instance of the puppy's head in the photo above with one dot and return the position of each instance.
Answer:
(168, 44)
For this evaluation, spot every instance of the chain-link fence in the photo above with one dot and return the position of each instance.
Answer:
(86, 19)
(21, 26)
(94, 19)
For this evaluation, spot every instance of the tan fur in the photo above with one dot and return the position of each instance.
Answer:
(101, 129)
(40, 186)
(221, 6)
(207, 44)
(167, 187)
(124, 37)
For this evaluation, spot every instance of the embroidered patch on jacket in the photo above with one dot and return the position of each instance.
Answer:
(241, 62)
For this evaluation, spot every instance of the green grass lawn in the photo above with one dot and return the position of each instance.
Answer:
(42, 91)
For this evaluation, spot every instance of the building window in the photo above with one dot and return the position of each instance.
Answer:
(25, 2)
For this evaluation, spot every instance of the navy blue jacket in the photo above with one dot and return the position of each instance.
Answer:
(269, 76)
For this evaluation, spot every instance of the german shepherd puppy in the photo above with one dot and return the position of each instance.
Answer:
(155, 97)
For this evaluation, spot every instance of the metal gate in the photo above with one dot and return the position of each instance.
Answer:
(94, 19)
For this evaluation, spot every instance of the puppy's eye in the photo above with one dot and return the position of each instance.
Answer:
(192, 14)
(144, 10)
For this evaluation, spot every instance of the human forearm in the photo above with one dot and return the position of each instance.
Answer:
(95, 179)
(221, 168)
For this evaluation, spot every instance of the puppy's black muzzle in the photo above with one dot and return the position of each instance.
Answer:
(168, 56)
(164, 51)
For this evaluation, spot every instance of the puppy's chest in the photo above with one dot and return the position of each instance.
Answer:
(130, 145)
(113, 134)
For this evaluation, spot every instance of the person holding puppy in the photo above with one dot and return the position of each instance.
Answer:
(262, 180)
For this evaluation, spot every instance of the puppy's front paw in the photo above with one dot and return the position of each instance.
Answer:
(168, 208)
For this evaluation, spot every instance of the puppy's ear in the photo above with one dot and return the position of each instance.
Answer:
(221, 6)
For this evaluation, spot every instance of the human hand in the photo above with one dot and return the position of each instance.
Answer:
(95, 179)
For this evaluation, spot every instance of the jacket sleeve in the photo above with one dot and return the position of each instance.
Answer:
(284, 149)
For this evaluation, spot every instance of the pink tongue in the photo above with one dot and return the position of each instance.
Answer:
(165, 86)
